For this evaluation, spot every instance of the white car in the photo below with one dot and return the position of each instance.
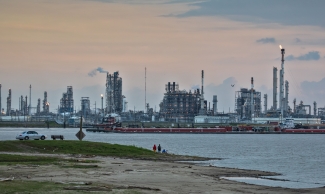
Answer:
(26, 135)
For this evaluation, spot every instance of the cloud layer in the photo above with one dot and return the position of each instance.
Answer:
(290, 12)
(310, 56)
(266, 40)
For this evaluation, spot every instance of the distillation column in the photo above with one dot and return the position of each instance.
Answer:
(275, 87)
(281, 103)
(9, 104)
(215, 102)
(30, 100)
(286, 105)
(252, 98)
(265, 103)
(315, 108)
(202, 110)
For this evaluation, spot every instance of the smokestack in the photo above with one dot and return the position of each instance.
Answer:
(202, 83)
(26, 108)
(282, 81)
(286, 99)
(315, 108)
(174, 87)
(202, 110)
(30, 100)
(252, 98)
(215, 102)
(275, 87)
(265, 103)
(294, 106)
(8, 113)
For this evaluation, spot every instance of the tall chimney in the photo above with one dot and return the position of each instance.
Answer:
(282, 81)
(215, 104)
(286, 99)
(202, 110)
(294, 106)
(265, 103)
(315, 108)
(275, 87)
(8, 113)
(30, 100)
(252, 98)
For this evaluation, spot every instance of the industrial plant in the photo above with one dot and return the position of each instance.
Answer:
(177, 105)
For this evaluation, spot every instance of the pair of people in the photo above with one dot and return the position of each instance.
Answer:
(154, 148)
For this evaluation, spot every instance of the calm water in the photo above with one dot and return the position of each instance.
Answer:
(300, 158)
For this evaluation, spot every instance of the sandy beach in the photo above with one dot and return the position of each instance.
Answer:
(144, 176)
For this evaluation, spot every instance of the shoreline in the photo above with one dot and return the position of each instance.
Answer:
(147, 176)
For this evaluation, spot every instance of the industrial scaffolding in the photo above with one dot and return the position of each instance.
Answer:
(179, 105)
(85, 106)
(114, 97)
(66, 102)
(243, 103)
(46, 104)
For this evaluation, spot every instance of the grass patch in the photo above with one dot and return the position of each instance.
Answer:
(76, 147)
(17, 186)
(87, 148)
(10, 159)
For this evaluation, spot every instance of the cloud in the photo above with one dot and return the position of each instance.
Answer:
(297, 40)
(94, 72)
(313, 91)
(225, 93)
(266, 40)
(310, 56)
(276, 11)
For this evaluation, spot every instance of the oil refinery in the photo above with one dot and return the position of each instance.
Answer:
(177, 105)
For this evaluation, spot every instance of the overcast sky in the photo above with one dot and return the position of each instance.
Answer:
(55, 44)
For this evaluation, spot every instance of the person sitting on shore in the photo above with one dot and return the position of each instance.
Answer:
(159, 148)
(154, 147)
(164, 151)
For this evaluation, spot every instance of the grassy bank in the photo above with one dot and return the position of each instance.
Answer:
(87, 148)
(29, 155)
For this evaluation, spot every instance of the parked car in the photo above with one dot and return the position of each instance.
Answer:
(26, 135)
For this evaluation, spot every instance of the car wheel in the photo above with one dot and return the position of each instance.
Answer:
(42, 138)
(26, 138)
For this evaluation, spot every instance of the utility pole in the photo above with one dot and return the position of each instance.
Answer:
(0, 104)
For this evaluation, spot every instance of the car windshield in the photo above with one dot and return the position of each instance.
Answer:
(23, 132)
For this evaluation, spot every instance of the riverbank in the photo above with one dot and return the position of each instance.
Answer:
(117, 171)
(111, 174)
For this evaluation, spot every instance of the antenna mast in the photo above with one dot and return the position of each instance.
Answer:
(145, 89)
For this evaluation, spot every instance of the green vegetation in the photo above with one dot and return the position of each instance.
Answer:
(11, 159)
(18, 186)
(76, 147)
(89, 149)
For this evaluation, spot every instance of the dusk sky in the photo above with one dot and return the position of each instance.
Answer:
(55, 44)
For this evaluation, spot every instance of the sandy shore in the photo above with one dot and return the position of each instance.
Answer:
(147, 176)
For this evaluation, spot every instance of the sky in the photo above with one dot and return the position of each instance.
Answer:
(55, 44)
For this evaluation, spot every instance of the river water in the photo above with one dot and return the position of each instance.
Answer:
(300, 158)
